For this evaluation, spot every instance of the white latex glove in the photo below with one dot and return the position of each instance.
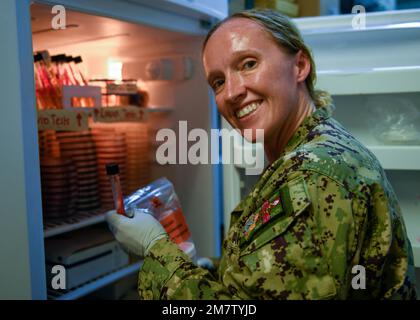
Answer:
(137, 234)
(205, 263)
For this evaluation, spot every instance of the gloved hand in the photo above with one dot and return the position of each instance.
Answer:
(206, 263)
(136, 235)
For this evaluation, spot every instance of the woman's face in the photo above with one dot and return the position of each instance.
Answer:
(255, 81)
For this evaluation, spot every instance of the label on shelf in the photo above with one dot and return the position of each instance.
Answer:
(123, 88)
(119, 114)
(62, 120)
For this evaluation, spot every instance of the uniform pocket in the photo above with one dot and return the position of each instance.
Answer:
(284, 258)
(275, 215)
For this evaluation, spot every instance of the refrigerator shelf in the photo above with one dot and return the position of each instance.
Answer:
(159, 109)
(397, 157)
(412, 222)
(53, 227)
(370, 80)
(95, 284)
(398, 19)
(150, 109)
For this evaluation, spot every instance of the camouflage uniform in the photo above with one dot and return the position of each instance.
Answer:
(323, 207)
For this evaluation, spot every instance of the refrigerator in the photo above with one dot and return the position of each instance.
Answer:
(157, 43)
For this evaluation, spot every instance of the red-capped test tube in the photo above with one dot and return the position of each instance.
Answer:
(113, 172)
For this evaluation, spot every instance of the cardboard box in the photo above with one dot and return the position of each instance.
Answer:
(287, 7)
(315, 8)
(236, 6)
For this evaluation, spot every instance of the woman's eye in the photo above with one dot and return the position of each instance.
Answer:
(249, 64)
(217, 84)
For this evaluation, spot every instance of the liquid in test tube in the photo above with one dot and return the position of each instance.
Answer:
(113, 172)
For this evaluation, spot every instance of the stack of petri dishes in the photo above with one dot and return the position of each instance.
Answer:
(80, 148)
(48, 144)
(110, 148)
(138, 163)
(59, 187)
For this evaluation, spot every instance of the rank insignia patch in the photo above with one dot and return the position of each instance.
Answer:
(261, 217)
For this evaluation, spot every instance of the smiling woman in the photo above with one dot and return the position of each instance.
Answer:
(321, 209)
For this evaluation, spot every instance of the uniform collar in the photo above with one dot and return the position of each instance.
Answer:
(303, 131)
(301, 135)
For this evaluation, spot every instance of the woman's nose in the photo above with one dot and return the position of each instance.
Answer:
(235, 89)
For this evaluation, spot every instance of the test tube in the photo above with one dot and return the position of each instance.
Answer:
(113, 172)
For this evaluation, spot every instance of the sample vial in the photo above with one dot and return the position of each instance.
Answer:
(113, 172)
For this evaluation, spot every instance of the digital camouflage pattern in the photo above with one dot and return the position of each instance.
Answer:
(323, 207)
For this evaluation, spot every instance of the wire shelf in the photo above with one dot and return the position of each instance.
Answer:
(53, 227)
(94, 284)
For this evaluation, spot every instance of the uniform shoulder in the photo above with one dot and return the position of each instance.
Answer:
(331, 150)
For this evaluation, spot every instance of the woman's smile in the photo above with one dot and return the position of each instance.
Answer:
(248, 109)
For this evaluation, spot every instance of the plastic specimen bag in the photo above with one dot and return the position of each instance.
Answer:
(160, 199)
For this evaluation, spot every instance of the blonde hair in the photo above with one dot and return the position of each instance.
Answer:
(287, 36)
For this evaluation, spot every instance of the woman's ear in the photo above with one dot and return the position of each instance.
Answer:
(303, 66)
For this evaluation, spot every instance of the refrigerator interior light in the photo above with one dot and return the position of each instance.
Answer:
(115, 69)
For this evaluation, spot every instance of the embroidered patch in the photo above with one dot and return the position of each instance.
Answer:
(261, 217)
